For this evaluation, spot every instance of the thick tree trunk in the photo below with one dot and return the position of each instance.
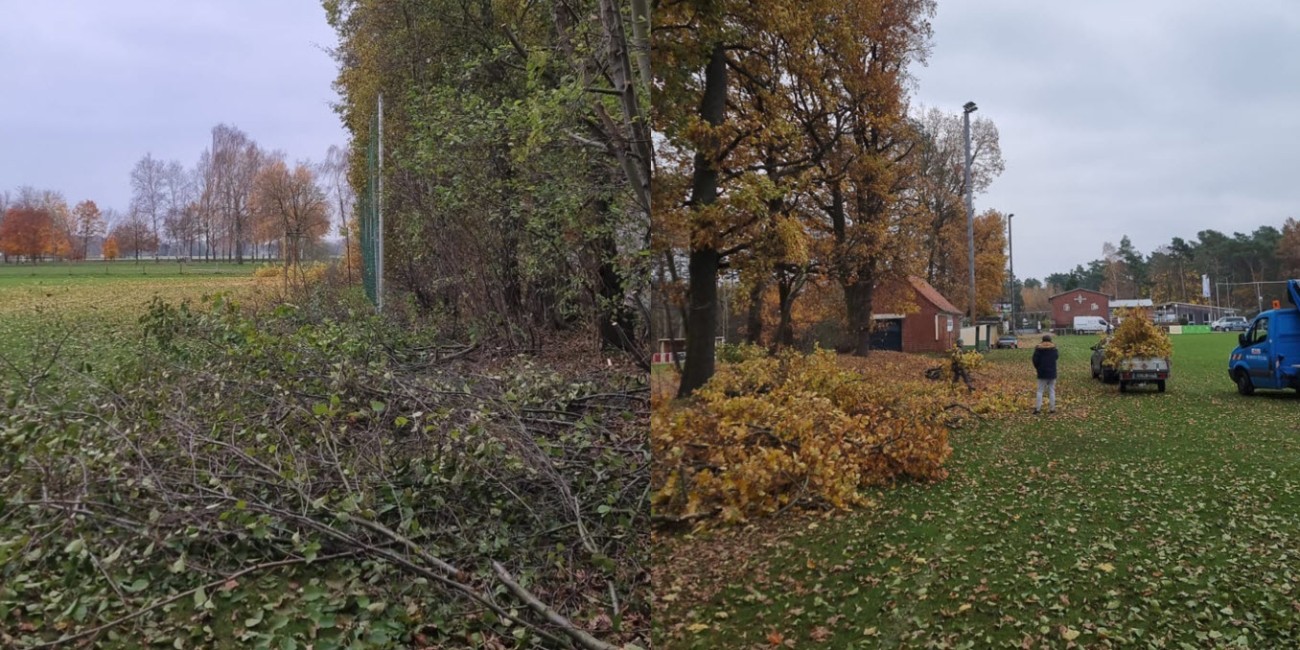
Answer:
(856, 277)
(754, 315)
(702, 318)
(858, 295)
(788, 286)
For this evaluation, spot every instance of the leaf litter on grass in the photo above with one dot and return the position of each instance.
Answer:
(1138, 519)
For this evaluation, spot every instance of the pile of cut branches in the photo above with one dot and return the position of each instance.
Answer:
(1136, 337)
(326, 482)
(768, 432)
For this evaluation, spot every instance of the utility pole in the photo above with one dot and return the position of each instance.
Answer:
(1011, 262)
(379, 211)
(967, 109)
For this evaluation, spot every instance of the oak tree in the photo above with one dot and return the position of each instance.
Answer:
(88, 223)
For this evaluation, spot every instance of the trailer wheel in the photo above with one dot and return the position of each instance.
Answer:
(1160, 385)
(1243, 383)
(1123, 386)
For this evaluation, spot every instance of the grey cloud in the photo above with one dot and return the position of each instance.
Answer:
(1153, 119)
(86, 88)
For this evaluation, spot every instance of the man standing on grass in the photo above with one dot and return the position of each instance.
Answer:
(1045, 355)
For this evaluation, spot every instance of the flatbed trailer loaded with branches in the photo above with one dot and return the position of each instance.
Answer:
(1138, 352)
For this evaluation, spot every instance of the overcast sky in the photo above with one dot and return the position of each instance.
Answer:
(88, 87)
(1153, 119)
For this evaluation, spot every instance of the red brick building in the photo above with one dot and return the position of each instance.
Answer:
(1078, 302)
(934, 327)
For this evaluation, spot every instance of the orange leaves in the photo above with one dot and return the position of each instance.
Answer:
(28, 232)
(769, 431)
(111, 250)
(1136, 337)
(87, 222)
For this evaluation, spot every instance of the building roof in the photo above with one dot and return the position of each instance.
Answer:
(1129, 303)
(1053, 297)
(1192, 304)
(932, 295)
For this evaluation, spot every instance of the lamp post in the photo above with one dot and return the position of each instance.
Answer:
(967, 109)
(1011, 262)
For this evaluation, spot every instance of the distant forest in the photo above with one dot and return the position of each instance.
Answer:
(1172, 272)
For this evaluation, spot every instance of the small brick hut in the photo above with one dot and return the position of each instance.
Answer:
(1078, 302)
(933, 327)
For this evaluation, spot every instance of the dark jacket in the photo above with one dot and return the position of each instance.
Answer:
(1045, 355)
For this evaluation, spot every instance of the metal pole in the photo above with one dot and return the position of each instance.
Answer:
(967, 109)
(379, 210)
(1011, 263)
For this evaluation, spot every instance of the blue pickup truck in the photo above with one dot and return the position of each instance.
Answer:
(1268, 354)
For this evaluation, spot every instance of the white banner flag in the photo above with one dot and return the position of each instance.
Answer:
(1205, 286)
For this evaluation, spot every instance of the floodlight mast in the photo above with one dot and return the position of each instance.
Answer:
(967, 109)
(1011, 264)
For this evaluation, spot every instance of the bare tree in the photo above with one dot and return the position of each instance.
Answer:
(235, 162)
(335, 172)
(178, 194)
(205, 179)
(134, 235)
(148, 194)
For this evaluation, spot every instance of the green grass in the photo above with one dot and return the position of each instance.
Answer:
(16, 274)
(1140, 519)
(92, 306)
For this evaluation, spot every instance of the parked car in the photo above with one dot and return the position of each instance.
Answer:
(1230, 324)
(1091, 325)
(1007, 342)
(1100, 370)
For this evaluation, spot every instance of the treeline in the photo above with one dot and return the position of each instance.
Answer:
(237, 202)
(37, 224)
(516, 158)
(1172, 272)
(793, 167)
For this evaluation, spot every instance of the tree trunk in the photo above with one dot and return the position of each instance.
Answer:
(702, 319)
(858, 296)
(618, 321)
(788, 286)
(754, 315)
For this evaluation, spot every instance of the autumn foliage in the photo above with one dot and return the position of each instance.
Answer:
(773, 429)
(1136, 337)
(30, 233)
(111, 250)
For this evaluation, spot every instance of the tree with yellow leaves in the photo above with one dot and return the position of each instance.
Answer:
(784, 131)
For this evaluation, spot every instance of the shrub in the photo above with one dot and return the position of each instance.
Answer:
(740, 352)
(268, 271)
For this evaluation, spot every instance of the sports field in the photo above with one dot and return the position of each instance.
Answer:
(82, 308)
(1125, 520)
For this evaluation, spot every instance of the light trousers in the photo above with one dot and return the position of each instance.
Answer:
(1050, 386)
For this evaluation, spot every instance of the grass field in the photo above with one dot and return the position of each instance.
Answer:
(1125, 520)
(95, 303)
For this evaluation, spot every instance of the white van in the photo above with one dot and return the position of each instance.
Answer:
(1090, 324)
